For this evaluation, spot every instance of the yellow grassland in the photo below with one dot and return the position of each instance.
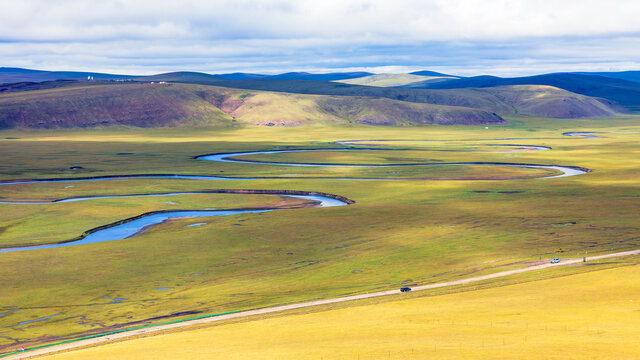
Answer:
(586, 316)
(409, 232)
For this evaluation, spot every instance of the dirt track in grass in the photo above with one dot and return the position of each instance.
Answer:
(126, 334)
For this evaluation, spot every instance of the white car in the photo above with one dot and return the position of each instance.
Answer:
(555, 260)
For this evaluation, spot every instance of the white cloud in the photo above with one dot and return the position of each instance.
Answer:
(358, 19)
(145, 36)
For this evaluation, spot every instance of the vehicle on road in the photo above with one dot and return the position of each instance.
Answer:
(405, 289)
(555, 260)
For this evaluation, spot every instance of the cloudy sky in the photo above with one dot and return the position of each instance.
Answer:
(465, 37)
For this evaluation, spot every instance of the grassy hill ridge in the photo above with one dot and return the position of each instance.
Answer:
(157, 105)
(623, 92)
(531, 101)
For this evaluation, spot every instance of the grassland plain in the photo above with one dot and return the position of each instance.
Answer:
(398, 232)
(582, 316)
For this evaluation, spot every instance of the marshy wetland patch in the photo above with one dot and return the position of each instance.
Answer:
(422, 230)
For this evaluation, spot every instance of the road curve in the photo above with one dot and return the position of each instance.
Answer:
(125, 334)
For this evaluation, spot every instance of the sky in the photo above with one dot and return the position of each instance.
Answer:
(462, 37)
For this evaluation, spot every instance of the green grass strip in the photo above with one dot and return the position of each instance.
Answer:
(115, 332)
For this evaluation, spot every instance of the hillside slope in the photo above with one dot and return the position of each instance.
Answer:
(143, 105)
(549, 101)
(566, 104)
(623, 92)
(156, 105)
(44, 85)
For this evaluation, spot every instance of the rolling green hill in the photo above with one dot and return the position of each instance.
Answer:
(144, 105)
(157, 105)
(548, 101)
(623, 92)
(620, 89)
(509, 100)
(149, 102)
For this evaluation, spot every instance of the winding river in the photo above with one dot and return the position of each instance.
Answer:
(127, 229)
(233, 158)
(583, 134)
(131, 227)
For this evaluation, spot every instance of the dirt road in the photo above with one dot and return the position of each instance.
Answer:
(98, 340)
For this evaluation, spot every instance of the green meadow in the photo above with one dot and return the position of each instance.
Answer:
(423, 224)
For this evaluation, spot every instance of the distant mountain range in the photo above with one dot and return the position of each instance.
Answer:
(14, 75)
(624, 75)
(396, 80)
(297, 76)
(620, 88)
(432, 73)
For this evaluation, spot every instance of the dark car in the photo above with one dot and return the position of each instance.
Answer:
(405, 289)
